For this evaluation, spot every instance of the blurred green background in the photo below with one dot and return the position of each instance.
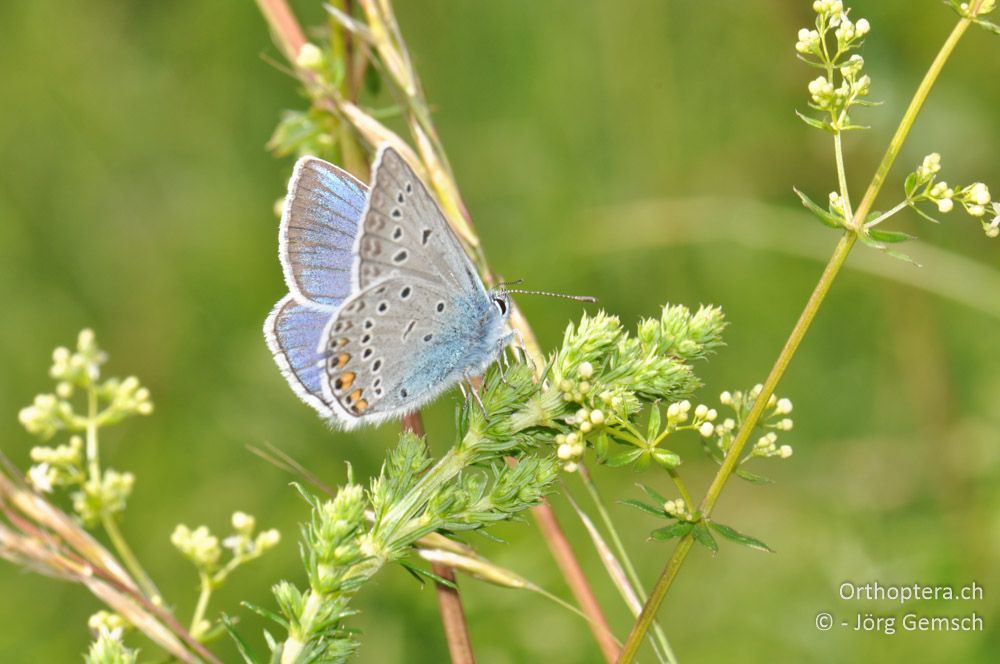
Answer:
(642, 153)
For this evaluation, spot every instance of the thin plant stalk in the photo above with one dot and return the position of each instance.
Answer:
(840, 253)
(626, 562)
(290, 39)
(118, 540)
(456, 628)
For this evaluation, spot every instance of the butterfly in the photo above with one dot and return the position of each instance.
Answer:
(385, 311)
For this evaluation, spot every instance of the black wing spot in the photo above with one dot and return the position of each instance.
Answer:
(409, 328)
(365, 339)
(380, 290)
(376, 365)
(378, 391)
(397, 233)
(440, 307)
(399, 198)
(369, 324)
(409, 187)
(405, 293)
(428, 337)
(383, 307)
(403, 393)
(368, 353)
(400, 256)
(396, 213)
(425, 236)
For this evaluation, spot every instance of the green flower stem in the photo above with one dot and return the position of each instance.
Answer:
(681, 487)
(623, 556)
(107, 520)
(885, 215)
(838, 149)
(836, 261)
(202, 605)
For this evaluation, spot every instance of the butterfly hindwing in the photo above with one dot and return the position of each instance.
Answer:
(293, 333)
(399, 343)
(318, 232)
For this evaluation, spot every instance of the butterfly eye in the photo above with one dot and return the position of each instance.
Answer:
(501, 304)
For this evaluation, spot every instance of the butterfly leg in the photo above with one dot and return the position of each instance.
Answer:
(516, 334)
(475, 395)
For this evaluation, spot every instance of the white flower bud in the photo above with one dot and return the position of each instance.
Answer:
(564, 452)
(571, 467)
(726, 398)
(784, 406)
(586, 426)
(945, 205)
(785, 451)
(701, 411)
(597, 417)
(862, 27)
(309, 57)
(585, 370)
(706, 429)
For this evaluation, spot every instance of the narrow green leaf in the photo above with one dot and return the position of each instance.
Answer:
(703, 537)
(419, 573)
(666, 458)
(649, 509)
(652, 493)
(889, 236)
(831, 220)
(753, 477)
(992, 27)
(246, 652)
(653, 428)
(813, 122)
(265, 613)
(734, 535)
(910, 185)
(625, 457)
(601, 447)
(898, 255)
(870, 241)
(678, 529)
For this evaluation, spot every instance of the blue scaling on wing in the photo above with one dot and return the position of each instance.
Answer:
(293, 333)
(316, 241)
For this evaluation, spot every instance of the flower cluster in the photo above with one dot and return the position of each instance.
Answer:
(965, 8)
(922, 185)
(775, 419)
(204, 550)
(606, 375)
(96, 493)
(108, 648)
(828, 47)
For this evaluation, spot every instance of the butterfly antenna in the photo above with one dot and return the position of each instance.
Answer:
(578, 298)
(503, 284)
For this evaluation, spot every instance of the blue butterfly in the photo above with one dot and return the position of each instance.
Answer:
(385, 310)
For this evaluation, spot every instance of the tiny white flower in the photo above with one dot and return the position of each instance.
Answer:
(711, 414)
(565, 452)
(701, 411)
(726, 398)
(586, 426)
(706, 429)
(945, 205)
(41, 476)
(597, 417)
(976, 210)
(862, 26)
(585, 370)
(785, 451)
(784, 406)
(571, 467)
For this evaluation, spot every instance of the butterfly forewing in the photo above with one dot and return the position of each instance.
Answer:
(318, 232)
(404, 232)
